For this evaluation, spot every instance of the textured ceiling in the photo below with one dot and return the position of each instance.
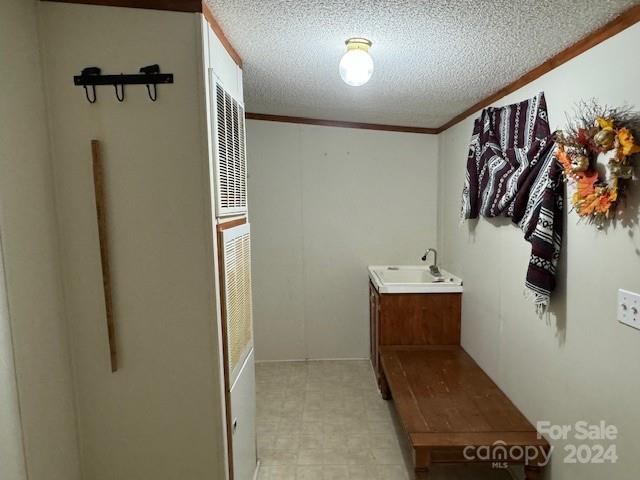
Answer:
(433, 59)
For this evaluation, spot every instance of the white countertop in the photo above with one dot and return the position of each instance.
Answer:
(412, 279)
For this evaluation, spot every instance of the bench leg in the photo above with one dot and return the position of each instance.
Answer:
(385, 392)
(421, 473)
(532, 472)
(422, 462)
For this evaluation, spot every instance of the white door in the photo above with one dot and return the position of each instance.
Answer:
(239, 357)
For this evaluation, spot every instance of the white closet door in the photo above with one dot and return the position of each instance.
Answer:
(229, 150)
(237, 317)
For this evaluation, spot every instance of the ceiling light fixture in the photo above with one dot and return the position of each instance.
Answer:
(356, 65)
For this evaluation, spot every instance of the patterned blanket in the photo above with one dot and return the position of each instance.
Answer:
(512, 171)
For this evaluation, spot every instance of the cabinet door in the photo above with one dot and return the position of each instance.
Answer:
(419, 319)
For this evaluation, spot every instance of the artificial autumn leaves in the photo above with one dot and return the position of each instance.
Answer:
(627, 142)
(591, 135)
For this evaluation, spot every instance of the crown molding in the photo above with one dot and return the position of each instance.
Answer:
(338, 123)
(217, 29)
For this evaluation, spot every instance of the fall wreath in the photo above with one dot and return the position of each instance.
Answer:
(596, 152)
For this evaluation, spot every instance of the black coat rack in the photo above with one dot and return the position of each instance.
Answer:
(149, 76)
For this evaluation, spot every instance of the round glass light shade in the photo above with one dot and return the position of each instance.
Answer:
(356, 67)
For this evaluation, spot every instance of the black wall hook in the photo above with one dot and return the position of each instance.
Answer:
(119, 96)
(89, 72)
(151, 70)
(86, 93)
(153, 97)
(149, 76)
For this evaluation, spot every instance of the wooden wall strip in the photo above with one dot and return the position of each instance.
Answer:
(337, 123)
(226, 225)
(620, 23)
(217, 29)
(173, 5)
(101, 214)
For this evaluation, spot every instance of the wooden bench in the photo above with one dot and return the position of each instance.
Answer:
(453, 412)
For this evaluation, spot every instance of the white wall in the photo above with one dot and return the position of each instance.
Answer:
(32, 267)
(159, 416)
(12, 461)
(326, 202)
(578, 363)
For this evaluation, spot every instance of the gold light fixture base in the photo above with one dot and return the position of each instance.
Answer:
(358, 43)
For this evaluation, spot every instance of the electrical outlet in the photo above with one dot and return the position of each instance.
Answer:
(629, 308)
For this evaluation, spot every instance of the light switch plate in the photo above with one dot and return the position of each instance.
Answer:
(629, 308)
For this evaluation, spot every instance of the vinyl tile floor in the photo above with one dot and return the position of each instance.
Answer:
(325, 420)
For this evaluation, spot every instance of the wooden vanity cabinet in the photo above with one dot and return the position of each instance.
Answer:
(411, 319)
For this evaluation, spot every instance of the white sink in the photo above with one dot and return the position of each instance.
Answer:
(412, 279)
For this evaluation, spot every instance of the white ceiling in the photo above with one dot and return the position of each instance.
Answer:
(433, 59)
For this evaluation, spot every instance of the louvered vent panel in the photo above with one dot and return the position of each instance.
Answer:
(237, 287)
(236, 153)
(243, 159)
(230, 161)
(222, 162)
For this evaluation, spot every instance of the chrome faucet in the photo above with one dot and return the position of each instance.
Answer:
(433, 269)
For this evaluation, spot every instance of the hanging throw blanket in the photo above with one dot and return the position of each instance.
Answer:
(512, 171)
